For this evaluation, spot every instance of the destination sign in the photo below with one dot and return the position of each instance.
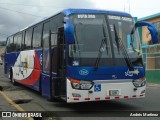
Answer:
(119, 18)
(86, 16)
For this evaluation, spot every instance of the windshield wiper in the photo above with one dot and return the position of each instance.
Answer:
(102, 48)
(104, 34)
(120, 44)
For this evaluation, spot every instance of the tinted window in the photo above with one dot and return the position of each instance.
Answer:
(54, 25)
(28, 37)
(56, 22)
(10, 44)
(46, 35)
(7, 45)
(37, 36)
(23, 41)
(46, 52)
(17, 42)
(54, 39)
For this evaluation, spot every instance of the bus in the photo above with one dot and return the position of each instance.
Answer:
(80, 55)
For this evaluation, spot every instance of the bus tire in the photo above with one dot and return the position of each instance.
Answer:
(11, 78)
(53, 99)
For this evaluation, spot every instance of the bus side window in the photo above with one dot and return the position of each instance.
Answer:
(19, 40)
(8, 45)
(22, 43)
(15, 43)
(28, 37)
(54, 40)
(37, 36)
(54, 50)
(45, 45)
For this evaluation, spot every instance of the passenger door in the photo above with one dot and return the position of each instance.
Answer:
(58, 63)
(53, 63)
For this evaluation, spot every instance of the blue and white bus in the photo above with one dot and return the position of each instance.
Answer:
(80, 55)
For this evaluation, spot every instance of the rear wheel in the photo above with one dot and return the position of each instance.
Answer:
(11, 78)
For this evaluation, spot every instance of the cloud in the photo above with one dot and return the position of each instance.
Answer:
(21, 13)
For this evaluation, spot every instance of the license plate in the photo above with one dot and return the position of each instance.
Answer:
(114, 92)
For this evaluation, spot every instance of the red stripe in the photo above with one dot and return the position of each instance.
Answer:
(35, 74)
(125, 96)
(87, 99)
(76, 99)
(117, 97)
(97, 98)
(107, 98)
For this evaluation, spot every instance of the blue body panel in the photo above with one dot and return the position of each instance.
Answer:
(68, 12)
(10, 59)
(45, 85)
(104, 73)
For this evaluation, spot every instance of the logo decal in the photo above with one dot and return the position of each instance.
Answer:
(22, 73)
(26, 64)
(131, 73)
(114, 76)
(83, 72)
(41, 59)
(75, 63)
(97, 87)
(136, 72)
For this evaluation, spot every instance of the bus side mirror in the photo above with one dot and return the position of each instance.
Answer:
(151, 28)
(69, 31)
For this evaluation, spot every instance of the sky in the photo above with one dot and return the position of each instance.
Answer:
(18, 14)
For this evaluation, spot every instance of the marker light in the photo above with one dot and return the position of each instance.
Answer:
(81, 84)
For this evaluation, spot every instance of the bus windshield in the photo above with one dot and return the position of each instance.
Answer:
(92, 31)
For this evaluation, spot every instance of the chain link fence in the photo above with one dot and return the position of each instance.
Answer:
(151, 57)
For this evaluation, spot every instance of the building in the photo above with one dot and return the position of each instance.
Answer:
(151, 52)
(2, 48)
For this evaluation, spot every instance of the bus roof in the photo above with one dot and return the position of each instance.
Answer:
(91, 11)
(70, 11)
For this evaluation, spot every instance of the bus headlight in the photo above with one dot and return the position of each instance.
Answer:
(139, 82)
(80, 84)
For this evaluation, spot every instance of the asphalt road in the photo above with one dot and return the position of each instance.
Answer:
(116, 108)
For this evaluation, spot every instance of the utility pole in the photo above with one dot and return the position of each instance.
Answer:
(129, 5)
